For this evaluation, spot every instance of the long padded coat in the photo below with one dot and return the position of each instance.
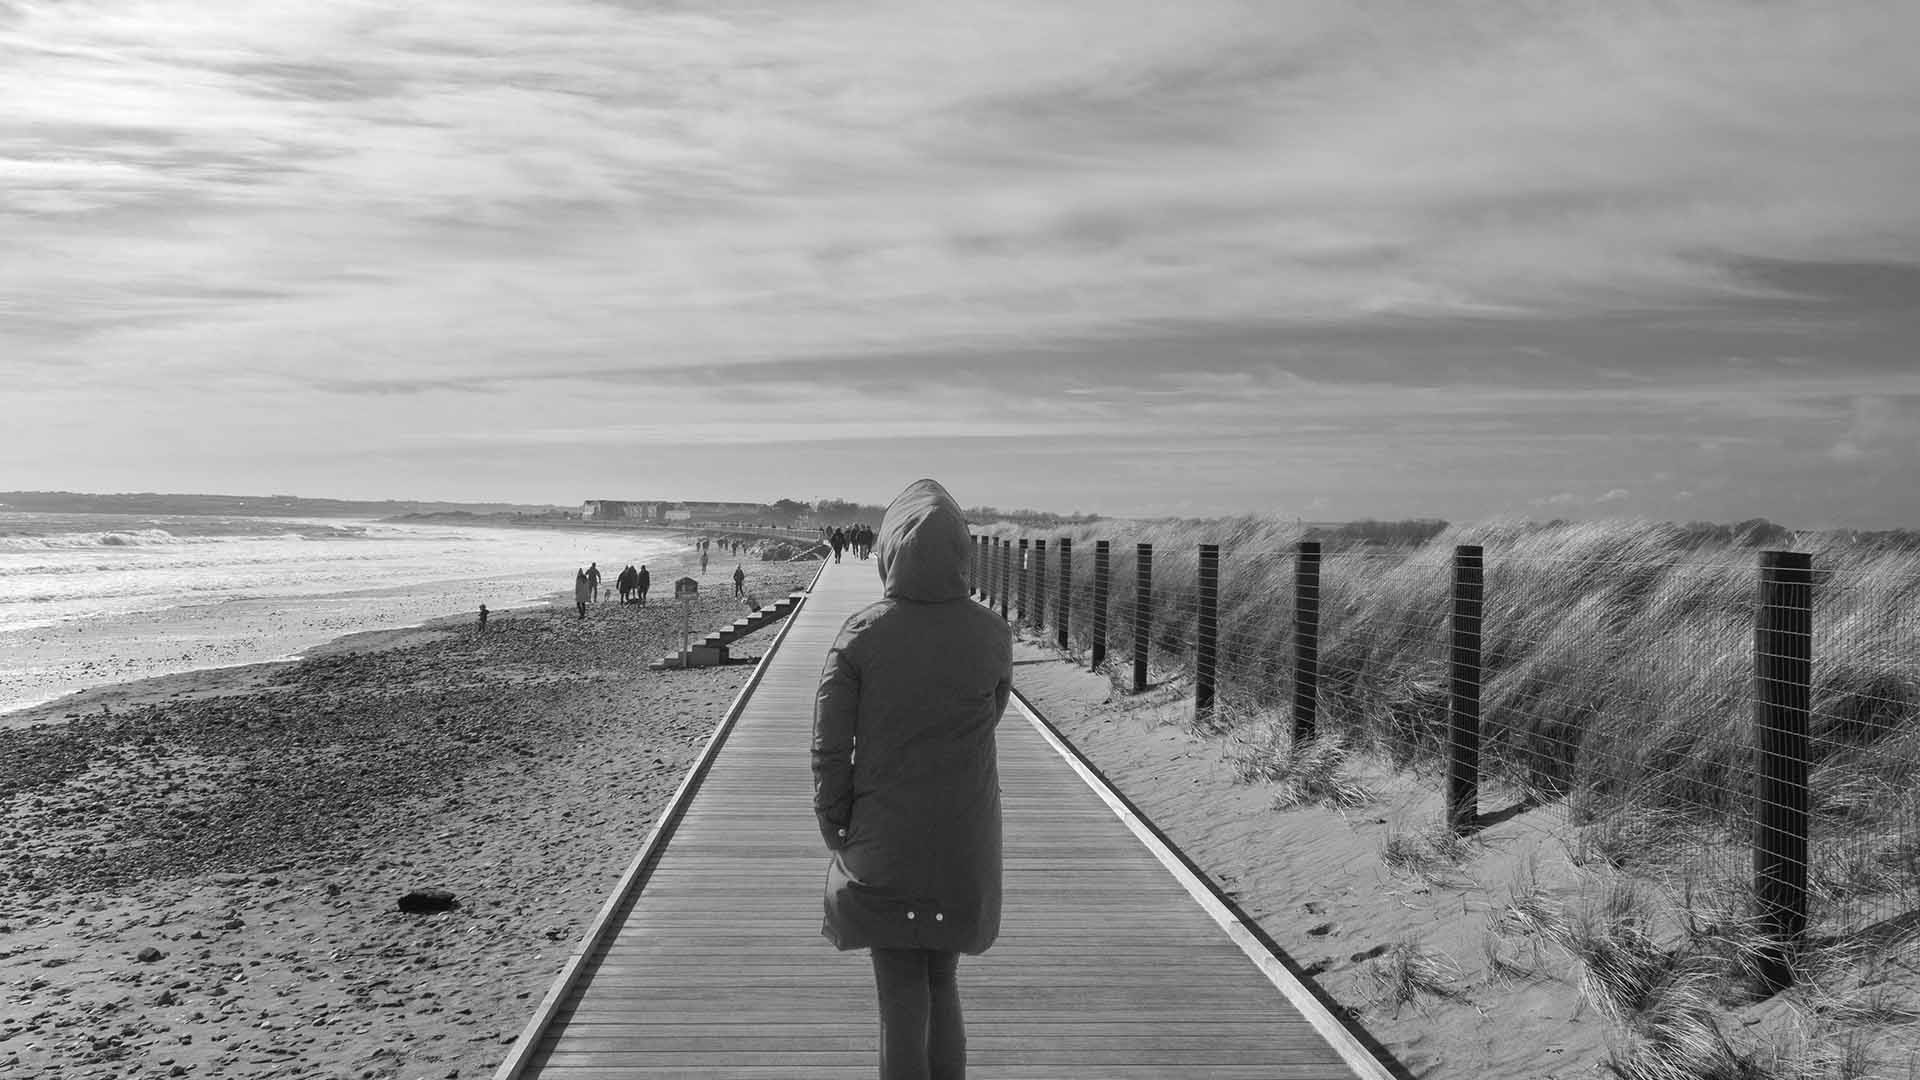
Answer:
(906, 781)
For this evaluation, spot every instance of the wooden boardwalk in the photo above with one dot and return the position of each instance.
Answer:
(710, 963)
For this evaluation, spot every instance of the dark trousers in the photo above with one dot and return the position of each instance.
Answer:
(921, 1034)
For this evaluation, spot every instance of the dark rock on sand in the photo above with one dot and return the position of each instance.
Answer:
(428, 901)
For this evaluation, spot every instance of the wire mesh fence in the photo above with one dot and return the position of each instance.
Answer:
(1715, 716)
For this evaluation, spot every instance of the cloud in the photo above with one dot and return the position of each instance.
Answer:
(1466, 235)
(842, 178)
(1880, 426)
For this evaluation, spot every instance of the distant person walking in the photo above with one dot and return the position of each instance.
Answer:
(739, 580)
(703, 560)
(582, 589)
(640, 583)
(839, 542)
(483, 618)
(915, 874)
(593, 581)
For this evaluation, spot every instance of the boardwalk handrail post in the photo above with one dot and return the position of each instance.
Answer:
(1207, 636)
(1039, 585)
(1142, 612)
(1782, 673)
(1306, 641)
(1006, 557)
(1463, 711)
(1063, 608)
(1020, 586)
(1101, 567)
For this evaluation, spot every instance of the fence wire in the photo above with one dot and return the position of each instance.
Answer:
(1618, 683)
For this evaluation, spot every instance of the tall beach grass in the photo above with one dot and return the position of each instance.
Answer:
(1617, 677)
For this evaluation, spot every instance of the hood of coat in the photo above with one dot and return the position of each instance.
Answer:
(924, 549)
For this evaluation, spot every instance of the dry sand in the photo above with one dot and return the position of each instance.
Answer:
(1315, 880)
(200, 872)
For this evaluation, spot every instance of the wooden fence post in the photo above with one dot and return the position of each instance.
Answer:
(997, 555)
(1306, 641)
(1782, 673)
(1463, 713)
(1006, 557)
(1039, 585)
(1100, 573)
(1207, 635)
(1020, 585)
(1142, 612)
(975, 580)
(1064, 606)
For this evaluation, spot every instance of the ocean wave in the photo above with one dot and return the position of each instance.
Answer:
(157, 537)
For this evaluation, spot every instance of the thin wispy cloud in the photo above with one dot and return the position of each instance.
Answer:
(457, 216)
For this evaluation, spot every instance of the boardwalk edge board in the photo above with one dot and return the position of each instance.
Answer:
(1363, 1062)
(522, 1052)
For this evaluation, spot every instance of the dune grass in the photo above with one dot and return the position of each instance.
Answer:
(1409, 975)
(1617, 687)
(1617, 675)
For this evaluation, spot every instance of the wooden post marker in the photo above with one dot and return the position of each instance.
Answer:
(1207, 635)
(1100, 575)
(1064, 610)
(1020, 583)
(1782, 674)
(1306, 641)
(1142, 612)
(1039, 585)
(1463, 712)
(1006, 557)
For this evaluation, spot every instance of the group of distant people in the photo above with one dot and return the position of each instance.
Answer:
(855, 538)
(633, 582)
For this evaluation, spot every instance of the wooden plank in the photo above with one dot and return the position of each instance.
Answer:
(1106, 966)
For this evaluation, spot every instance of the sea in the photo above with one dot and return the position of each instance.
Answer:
(93, 599)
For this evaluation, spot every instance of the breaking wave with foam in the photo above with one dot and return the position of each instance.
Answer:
(69, 583)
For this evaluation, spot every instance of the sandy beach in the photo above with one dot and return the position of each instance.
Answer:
(202, 872)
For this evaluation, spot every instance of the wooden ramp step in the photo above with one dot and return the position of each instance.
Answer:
(712, 648)
(1112, 965)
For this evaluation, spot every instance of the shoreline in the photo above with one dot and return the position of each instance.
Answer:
(142, 636)
(245, 675)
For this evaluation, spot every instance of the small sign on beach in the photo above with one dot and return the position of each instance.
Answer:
(686, 586)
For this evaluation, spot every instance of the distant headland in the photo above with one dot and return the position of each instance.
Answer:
(148, 502)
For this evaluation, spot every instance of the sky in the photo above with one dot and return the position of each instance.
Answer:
(1329, 260)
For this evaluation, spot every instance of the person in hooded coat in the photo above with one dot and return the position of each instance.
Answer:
(581, 591)
(906, 786)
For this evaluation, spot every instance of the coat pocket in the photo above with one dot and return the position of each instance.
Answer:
(860, 915)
